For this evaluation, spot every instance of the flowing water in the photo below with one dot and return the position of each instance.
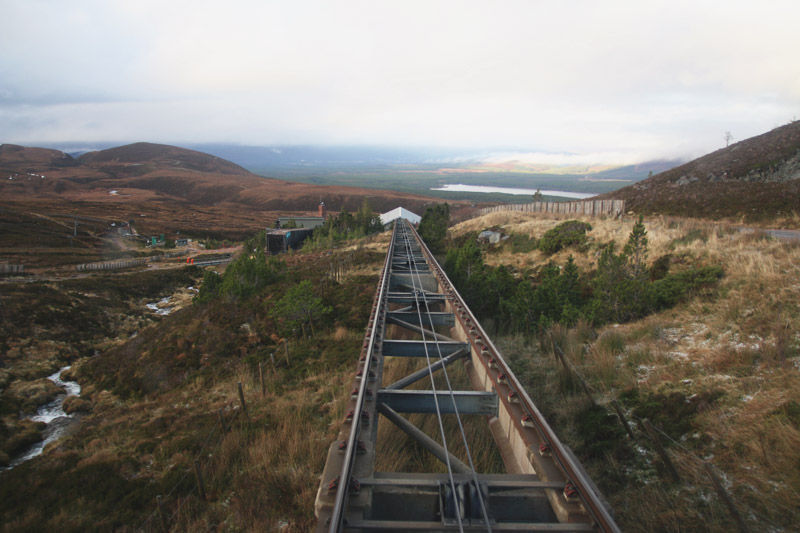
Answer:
(54, 416)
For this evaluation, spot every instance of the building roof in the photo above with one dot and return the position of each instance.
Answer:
(400, 212)
(303, 221)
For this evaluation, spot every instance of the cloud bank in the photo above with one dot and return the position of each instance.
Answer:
(641, 80)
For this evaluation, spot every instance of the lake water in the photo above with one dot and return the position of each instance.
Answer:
(460, 187)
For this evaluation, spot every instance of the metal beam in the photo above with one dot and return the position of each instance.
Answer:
(424, 372)
(392, 525)
(438, 319)
(400, 297)
(395, 348)
(425, 282)
(412, 327)
(433, 480)
(422, 401)
(425, 441)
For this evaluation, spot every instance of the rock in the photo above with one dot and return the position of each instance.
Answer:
(685, 180)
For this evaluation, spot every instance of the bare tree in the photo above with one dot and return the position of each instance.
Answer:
(728, 138)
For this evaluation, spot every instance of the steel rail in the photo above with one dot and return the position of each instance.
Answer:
(450, 388)
(563, 460)
(337, 513)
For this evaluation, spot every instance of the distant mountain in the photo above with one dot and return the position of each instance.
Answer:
(146, 173)
(756, 179)
(162, 156)
(22, 159)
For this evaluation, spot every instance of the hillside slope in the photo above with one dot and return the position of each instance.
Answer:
(21, 159)
(757, 180)
(176, 186)
(160, 155)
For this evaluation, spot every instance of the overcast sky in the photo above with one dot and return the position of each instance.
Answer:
(604, 79)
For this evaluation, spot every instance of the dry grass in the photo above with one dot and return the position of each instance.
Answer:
(741, 343)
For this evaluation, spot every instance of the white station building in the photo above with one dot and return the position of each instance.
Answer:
(400, 212)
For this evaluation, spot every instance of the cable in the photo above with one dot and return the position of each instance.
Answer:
(415, 271)
(433, 384)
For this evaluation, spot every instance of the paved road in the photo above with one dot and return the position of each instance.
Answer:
(781, 234)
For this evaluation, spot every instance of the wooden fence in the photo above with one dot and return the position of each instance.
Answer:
(125, 263)
(592, 208)
(6, 268)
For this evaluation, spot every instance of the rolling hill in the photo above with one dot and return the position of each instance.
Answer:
(755, 180)
(184, 189)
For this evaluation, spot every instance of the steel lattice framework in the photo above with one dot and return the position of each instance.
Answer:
(544, 487)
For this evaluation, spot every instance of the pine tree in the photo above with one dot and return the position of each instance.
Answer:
(636, 249)
(636, 253)
(299, 306)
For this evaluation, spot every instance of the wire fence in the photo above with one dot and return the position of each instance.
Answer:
(700, 468)
(165, 518)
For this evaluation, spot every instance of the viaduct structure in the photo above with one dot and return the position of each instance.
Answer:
(418, 314)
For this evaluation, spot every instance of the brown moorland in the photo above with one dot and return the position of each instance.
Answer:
(755, 181)
(175, 189)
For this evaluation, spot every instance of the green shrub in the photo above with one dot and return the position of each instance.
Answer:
(521, 244)
(243, 278)
(299, 306)
(433, 227)
(673, 288)
(660, 267)
(566, 234)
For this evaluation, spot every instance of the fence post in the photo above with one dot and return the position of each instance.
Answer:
(740, 523)
(572, 370)
(161, 514)
(241, 399)
(200, 489)
(261, 379)
(621, 415)
(661, 451)
(222, 421)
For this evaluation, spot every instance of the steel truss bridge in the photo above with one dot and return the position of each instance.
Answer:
(417, 313)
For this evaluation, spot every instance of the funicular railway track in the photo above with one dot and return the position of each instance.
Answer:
(418, 313)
